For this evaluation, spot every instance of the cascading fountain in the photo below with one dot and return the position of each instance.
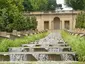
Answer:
(67, 57)
(51, 39)
(18, 57)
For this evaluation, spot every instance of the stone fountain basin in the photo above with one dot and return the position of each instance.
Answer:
(40, 62)
(52, 56)
(31, 45)
(38, 49)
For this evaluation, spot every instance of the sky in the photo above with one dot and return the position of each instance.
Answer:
(60, 1)
(63, 5)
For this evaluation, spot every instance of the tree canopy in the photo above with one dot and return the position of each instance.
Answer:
(11, 13)
(52, 4)
(76, 4)
(27, 5)
(80, 20)
(11, 16)
(39, 5)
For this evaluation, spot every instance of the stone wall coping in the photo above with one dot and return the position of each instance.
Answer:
(58, 12)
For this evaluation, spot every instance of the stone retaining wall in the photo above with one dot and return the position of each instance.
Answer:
(20, 33)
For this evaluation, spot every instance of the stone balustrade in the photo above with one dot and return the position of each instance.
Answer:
(19, 34)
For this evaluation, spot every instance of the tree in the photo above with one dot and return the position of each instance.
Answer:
(31, 23)
(52, 5)
(39, 5)
(9, 9)
(27, 5)
(80, 20)
(76, 4)
(11, 16)
(11, 3)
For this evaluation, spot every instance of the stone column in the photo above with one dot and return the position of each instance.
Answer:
(62, 24)
(50, 26)
(50, 22)
(74, 24)
(40, 26)
(71, 24)
(42, 23)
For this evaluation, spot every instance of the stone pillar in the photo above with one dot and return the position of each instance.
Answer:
(40, 26)
(60, 24)
(63, 24)
(42, 23)
(51, 25)
(71, 24)
(74, 24)
(14, 32)
(50, 19)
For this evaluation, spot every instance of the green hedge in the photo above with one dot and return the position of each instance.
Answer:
(77, 43)
(80, 20)
(6, 43)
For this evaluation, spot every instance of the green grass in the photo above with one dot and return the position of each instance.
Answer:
(79, 63)
(77, 43)
(6, 43)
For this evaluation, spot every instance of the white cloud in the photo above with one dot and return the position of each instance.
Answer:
(60, 1)
(63, 6)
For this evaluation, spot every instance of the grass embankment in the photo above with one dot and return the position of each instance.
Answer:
(6, 43)
(77, 43)
(79, 63)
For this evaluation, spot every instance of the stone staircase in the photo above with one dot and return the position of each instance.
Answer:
(51, 48)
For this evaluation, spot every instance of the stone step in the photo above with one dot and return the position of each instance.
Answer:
(28, 45)
(40, 62)
(44, 47)
(8, 53)
(4, 37)
(38, 49)
(37, 56)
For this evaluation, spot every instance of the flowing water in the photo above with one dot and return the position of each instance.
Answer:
(52, 44)
(53, 39)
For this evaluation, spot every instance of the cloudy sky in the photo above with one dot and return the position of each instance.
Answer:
(62, 2)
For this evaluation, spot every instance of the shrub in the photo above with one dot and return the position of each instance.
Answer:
(12, 18)
(6, 43)
(77, 43)
(80, 20)
(31, 23)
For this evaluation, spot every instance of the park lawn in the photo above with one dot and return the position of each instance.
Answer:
(6, 43)
(77, 43)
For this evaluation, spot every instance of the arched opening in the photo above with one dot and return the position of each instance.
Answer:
(56, 23)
